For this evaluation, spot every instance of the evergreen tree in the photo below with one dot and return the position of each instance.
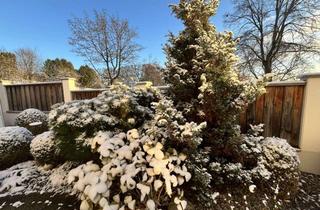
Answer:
(59, 69)
(88, 77)
(201, 116)
(201, 75)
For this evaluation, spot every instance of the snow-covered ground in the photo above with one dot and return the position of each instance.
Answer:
(26, 186)
(27, 177)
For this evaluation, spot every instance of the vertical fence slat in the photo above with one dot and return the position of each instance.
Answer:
(28, 99)
(53, 94)
(32, 97)
(268, 108)
(259, 110)
(18, 97)
(9, 97)
(59, 93)
(286, 123)
(48, 96)
(43, 98)
(296, 118)
(277, 111)
(23, 98)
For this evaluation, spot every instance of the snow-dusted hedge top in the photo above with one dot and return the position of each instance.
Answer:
(34, 120)
(14, 145)
(120, 108)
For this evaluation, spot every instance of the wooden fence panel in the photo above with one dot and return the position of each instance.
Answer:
(279, 109)
(37, 95)
(85, 94)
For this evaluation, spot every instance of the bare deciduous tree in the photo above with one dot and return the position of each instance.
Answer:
(106, 42)
(131, 74)
(278, 36)
(28, 62)
(152, 72)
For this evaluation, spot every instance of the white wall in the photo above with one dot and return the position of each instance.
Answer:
(310, 125)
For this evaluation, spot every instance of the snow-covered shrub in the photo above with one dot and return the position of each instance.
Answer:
(200, 116)
(34, 120)
(136, 173)
(14, 145)
(44, 148)
(283, 162)
(119, 108)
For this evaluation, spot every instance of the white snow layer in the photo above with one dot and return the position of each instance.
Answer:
(26, 178)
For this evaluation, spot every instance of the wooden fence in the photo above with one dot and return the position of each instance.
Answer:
(38, 95)
(85, 94)
(279, 109)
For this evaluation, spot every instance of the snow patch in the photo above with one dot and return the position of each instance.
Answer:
(17, 204)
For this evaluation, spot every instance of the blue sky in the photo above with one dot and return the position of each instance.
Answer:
(42, 24)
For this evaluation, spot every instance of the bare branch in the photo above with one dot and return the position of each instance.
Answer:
(275, 36)
(106, 42)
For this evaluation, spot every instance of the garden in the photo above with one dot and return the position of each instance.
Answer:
(146, 148)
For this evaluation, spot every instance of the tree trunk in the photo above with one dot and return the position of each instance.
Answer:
(267, 66)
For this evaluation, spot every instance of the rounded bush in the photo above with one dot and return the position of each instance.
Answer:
(44, 149)
(118, 108)
(34, 120)
(283, 162)
(14, 145)
(269, 170)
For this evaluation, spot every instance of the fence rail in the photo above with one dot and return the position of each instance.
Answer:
(38, 95)
(279, 110)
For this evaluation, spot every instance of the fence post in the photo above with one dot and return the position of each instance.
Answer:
(309, 132)
(3, 102)
(68, 85)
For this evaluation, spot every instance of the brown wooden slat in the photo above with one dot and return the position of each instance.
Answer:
(243, 121)
(277, 111)
(250, 115)
(53, 94)
(296, 115)
(48, 96)
(43, 98)
(33, 98)
(38, 97)
(286, 122)
(59, 91)
(259, 110)
(268, 111)
(23, 98)
(27, 95)
(19, 101)
(9, 97)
